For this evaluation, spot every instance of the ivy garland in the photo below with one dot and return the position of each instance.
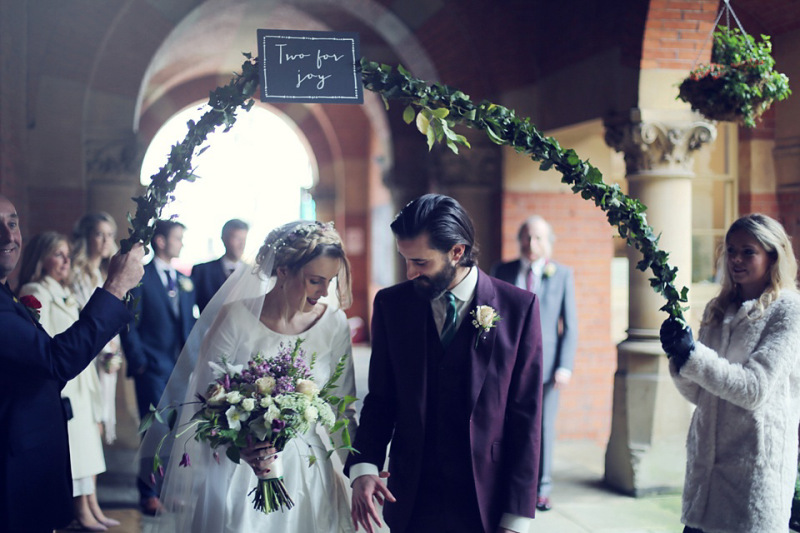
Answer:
(436, 109)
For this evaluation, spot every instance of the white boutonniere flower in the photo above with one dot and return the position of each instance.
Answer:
(484, 318)
(549, 270)
(185, 284)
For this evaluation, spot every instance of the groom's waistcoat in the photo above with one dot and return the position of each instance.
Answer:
(447, 487)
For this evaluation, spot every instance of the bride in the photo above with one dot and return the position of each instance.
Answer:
(285, 296)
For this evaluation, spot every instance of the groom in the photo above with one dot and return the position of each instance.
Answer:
(460, 405)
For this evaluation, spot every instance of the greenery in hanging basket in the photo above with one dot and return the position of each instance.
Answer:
(739, 84)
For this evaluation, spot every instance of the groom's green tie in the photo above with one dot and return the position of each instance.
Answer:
(450, 320)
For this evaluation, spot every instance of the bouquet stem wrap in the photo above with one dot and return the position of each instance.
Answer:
(270, 494)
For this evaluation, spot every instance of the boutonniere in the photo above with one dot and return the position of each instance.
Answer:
(549, 270)
(185, 284)
(32, 305)
(484, 318)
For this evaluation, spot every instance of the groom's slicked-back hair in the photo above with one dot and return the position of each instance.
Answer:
(445, 222)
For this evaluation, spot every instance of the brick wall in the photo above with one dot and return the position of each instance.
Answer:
(584, 243)
(677, 33)
(789, 216)
(766, 203)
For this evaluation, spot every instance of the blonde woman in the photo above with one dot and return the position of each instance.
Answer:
(93, 244)
(45, 274)
(743, 376)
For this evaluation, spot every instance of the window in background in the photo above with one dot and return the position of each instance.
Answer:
(260, 171)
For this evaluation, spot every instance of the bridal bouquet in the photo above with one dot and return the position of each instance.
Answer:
(269, 400)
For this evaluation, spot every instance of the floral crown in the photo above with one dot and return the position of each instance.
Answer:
(301, 231)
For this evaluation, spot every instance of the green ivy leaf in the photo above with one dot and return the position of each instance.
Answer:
(408, 114)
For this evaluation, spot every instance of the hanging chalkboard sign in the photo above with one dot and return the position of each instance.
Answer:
(309, 66)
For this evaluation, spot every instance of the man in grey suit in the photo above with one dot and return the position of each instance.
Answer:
(554, 285)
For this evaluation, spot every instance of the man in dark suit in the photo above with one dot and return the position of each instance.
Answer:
(209, 277)
(36, 482)
(553, 283)
(457, 395)
(164, 317)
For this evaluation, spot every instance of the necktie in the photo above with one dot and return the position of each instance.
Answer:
(530, 281)
(171, 286)
(172, 291)
(450, 319)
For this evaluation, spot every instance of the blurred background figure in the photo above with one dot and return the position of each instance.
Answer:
(554, 286)
(93, 244)
(209, 277)
(164, 317)
(45, 274)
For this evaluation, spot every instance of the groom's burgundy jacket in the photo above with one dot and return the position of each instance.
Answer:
(505, 391)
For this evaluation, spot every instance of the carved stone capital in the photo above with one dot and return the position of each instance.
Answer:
(659, 146)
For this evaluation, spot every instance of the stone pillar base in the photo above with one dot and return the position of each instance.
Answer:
(646, 451)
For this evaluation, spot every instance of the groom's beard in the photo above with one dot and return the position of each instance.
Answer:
(434, 286)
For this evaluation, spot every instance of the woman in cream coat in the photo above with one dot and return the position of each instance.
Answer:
(44, 274)
(743, 376)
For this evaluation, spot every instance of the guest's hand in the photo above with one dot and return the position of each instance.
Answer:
(260, 456)
(125, 271)
(677, 341)
(365, 488)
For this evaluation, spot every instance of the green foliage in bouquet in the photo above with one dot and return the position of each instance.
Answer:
(739, 84)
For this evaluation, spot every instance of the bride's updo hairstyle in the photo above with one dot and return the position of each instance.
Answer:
(296, 244)
(771, 235)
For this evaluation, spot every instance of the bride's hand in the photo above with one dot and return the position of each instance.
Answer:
(259, 456)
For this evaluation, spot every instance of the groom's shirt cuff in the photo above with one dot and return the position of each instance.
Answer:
(362, 469)
(520, 524)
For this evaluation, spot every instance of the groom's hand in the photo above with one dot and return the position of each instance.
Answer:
(365, 488)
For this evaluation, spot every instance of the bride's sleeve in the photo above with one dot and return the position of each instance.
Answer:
(346, 386)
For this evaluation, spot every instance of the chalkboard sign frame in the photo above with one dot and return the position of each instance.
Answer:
(310, 67)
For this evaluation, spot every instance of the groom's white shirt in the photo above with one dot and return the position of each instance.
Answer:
(464, 292)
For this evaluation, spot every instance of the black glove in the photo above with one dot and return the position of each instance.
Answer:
(677, 341)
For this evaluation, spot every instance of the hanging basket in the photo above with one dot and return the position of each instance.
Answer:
(739, 84)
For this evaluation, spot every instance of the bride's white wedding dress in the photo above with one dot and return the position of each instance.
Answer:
(217, 501)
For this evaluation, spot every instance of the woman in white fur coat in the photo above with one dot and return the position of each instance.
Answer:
(743, 375)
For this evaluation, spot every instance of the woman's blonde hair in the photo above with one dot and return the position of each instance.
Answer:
(36, 250)
(302, 243)
(81, 234)
(782, 273)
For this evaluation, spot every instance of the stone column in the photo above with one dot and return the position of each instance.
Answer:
(474, 178)
(646, 452)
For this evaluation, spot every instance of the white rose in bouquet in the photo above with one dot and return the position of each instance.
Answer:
(215, 395)
(233, 397)
(307, 387)
(248, 404)
(265, 385)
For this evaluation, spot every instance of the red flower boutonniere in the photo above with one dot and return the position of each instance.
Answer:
(32, 305)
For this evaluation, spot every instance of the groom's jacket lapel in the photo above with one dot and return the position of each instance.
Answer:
(482, 355)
